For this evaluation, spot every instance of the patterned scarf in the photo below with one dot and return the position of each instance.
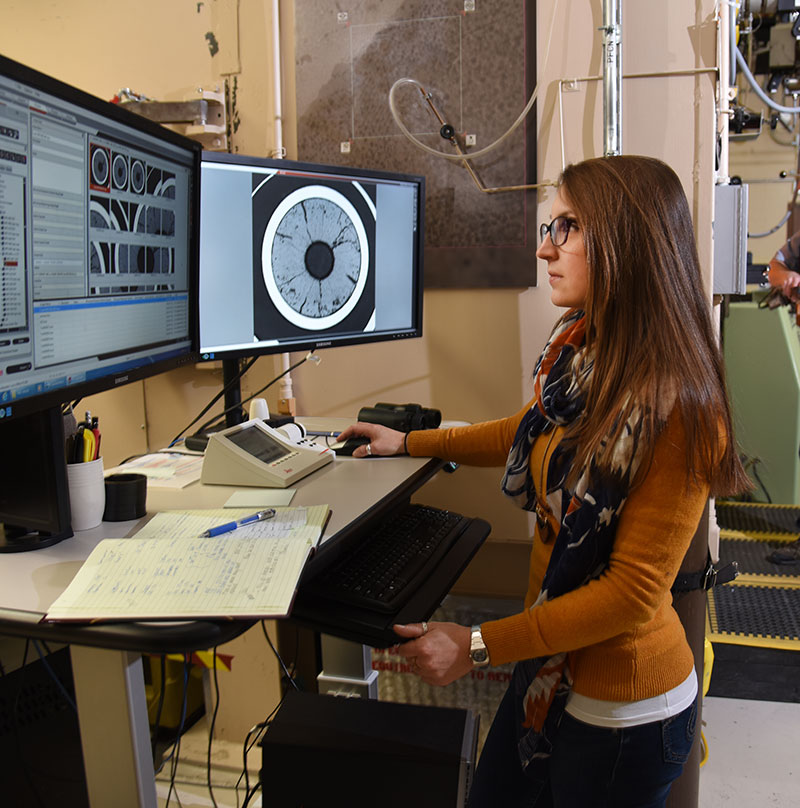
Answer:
(588, 515)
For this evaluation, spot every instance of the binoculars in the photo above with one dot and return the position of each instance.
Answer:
(402, 417)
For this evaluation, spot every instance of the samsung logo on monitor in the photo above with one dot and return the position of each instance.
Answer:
(121, 379)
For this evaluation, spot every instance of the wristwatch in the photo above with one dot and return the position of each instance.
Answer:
(478, 652)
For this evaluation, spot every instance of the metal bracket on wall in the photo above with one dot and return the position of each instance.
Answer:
(203, 118)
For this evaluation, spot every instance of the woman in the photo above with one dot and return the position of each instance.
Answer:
(627, 435)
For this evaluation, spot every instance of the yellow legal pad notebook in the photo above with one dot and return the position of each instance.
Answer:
(165, 572)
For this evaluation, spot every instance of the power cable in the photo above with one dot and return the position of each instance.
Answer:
(161, 696)
(214, 421)
(211, 727)
(174, 755)
(215, 399)
(285, 670)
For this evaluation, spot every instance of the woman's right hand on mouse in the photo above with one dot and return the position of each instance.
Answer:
(382, 440)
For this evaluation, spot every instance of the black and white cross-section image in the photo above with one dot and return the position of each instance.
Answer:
(138, 175)
(123, 217)
(120, 171)
(313, 255)
(99, 167)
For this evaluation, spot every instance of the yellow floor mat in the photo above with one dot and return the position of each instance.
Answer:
(762, 606)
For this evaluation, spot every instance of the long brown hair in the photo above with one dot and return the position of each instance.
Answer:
(648, 322)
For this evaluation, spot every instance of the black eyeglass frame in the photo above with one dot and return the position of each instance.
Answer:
(553, 229)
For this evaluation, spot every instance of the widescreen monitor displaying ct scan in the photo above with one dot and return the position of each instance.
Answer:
(98, 271)
(299, 256)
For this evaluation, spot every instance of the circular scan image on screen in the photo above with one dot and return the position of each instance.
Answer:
(100, 166)
(315, 257)
(120, 172)
(138, 176)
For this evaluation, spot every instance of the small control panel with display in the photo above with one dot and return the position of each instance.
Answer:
(254, 454)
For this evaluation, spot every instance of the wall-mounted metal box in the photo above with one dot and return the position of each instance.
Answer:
(730, 239)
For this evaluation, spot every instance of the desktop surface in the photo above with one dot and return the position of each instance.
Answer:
(358, 491)
(353, 488)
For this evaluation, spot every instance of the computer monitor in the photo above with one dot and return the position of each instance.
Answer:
(296, 256)
(98, 253)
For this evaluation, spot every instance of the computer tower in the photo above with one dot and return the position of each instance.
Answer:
(336, 752)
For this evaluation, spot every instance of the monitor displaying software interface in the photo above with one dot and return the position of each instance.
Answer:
(95, 243)
(296, 256)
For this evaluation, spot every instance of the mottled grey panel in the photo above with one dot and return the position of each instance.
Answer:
(479, 69)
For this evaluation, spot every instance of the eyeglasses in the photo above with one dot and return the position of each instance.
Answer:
(558, 230)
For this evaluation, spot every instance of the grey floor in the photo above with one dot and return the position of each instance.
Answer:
(753, 754)
(753, 760)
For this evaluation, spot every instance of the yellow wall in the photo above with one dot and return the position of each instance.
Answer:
(479, 347)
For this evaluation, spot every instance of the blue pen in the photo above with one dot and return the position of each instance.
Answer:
(229, 526)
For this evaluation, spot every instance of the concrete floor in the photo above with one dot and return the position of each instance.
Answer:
(753, 754)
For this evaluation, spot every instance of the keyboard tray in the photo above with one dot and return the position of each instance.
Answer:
(393, 560)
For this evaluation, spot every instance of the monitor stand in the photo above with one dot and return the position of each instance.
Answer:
(34, 494)
(15, 539)
(233, 392)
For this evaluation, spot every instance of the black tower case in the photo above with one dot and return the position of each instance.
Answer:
(337, 752)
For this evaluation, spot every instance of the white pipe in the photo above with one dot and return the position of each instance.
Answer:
(277, 77)
(285, 390)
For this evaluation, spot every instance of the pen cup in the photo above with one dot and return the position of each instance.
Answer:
(126, 497)
(87, 493)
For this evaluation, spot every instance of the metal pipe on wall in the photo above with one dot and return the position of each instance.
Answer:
(612, 77)
(285, 390)
(725, 82)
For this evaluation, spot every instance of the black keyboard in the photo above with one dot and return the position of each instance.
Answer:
(393, 560)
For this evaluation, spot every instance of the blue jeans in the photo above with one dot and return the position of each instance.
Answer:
(591, 767)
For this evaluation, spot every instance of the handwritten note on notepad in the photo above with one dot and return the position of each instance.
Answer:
(166, 572)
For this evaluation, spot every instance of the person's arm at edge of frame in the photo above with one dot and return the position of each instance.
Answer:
(783, 278)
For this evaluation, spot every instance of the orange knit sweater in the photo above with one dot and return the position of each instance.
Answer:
(624, 638)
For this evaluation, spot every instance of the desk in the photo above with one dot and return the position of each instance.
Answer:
(107, 667)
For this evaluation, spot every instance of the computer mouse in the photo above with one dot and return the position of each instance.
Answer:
(349, 445)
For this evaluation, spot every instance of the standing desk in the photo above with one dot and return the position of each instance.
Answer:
(107, 667)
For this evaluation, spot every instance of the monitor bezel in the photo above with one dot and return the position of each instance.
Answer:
(43, 400)
(312, 344)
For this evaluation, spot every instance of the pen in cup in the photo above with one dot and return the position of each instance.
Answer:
(259, 516)
(97, 436)
(83, 443)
